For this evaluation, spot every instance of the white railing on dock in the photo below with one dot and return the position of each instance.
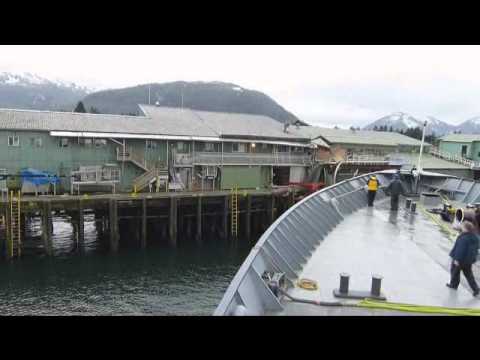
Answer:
(94, 175)
(434, 151)
(366, 158)
(216, 158)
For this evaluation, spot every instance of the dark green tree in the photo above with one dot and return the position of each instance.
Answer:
(80, 108)
(94, 110)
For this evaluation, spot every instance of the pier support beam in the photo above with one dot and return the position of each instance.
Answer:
(199, 220)
(270, 208)
(143, 241)
(47, 227)
(8, 234)
(225, 217)
(248, 218)
(113, 221)
(173, 221)
(81, 223)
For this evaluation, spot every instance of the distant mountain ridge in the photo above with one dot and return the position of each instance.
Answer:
(30, 91)
(403, 121)
(207, 96)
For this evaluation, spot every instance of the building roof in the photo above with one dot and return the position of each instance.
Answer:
(460, 138)
(409, 160)
(170, 124)
(223, 124)
(360, 137)
(157, 121)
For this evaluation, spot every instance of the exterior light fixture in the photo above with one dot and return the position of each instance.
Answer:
(253, 145)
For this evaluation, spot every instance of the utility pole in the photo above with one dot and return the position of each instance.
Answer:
(419, 165)
(421, 147)
(149, 88)
(183, 86)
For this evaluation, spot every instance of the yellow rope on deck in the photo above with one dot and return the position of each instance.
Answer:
(307, 284)
(375, 304)
(452, 234)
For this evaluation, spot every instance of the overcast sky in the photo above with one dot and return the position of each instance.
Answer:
(323, 85)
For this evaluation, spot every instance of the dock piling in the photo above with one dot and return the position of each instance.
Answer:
(199, 220)
(248, 217)
(173, 221)
(143, 242)
(47, 227)
(81, 223)
(225, 218)
(113, 221)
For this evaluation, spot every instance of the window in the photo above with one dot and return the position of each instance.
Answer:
(151, 144)
(236, 147)
(282, 148)
(100, 142)
(63, 142)
(209, 147)
(85, 142)
(13, 141)
(180, 146)
(37, 142)
(264, 146)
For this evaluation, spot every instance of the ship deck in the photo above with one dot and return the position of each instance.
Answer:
(408, 250)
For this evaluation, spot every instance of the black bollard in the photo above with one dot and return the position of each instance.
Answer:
(408, 202)
(376, 285)
(413, 207)
(344, 279)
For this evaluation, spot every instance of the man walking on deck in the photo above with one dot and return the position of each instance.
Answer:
(464, 255)
(395, 189)
(372, 186)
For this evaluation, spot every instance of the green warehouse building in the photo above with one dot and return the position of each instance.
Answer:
(176, 148)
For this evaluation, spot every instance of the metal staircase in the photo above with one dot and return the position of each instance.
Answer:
(234, 210)
(14, 240)
(142, 181)
(127, 154)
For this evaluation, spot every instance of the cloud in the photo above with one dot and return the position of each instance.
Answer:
(320, 84)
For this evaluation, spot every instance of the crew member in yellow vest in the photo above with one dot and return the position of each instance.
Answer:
(372, 185)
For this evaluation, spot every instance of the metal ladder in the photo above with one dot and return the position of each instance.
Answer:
(14, 240)
(234, 210)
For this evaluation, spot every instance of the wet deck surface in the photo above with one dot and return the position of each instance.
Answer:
(409, 251)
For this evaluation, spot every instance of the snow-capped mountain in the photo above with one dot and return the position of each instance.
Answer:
(403, 121)
(31, 91)
(470, 126)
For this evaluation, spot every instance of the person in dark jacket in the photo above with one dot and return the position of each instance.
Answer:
(464, 255)
(395, 189)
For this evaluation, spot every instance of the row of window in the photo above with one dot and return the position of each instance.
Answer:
(150, 144)
(63, 142)
(15, 141)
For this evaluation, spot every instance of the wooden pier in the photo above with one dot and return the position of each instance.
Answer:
(144, 217)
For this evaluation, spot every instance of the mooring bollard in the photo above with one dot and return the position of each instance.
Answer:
(376, 285)
(413, 207)
(344, 280)
(408, 202)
